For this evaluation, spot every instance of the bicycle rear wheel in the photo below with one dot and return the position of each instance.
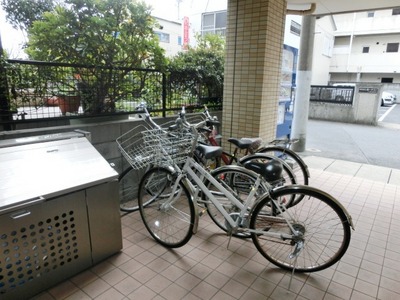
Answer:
(128, 182)
(167, 213)
(322, 227)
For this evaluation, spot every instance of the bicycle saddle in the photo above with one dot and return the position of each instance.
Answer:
(246, 143)
(271, 170)
(209, 151)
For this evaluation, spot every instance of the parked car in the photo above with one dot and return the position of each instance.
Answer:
(388, 99)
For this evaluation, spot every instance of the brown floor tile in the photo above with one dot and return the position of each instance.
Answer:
(206, 269)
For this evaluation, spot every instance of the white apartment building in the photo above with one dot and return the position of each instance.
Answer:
(208, 17)
(170, 36)
(357, 47)
(215, 22)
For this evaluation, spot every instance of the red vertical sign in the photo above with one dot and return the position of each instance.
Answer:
(185, 32)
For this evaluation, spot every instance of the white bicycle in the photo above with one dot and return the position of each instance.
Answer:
(307, 237)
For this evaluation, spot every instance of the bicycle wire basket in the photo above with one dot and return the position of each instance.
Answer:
(142, 146)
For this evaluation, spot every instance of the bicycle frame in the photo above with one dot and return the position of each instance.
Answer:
(188, 173)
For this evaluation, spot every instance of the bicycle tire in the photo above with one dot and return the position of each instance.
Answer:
(129, 181)
(322, 223)
(169, 220)
(239, 181)
(298, 165)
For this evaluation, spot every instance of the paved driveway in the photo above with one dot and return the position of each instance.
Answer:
(374, 145)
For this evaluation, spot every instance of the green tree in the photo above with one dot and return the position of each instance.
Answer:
(5, 113)
(105, 33)
(22, 13)
(97, 32)
(200, 69)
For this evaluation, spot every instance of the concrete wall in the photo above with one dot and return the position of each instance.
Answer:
(363, 111)
(103, 135)
(383, 21)
(350, 58)
(322, 53)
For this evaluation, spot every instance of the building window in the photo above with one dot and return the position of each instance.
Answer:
(370, 14)
(392, 47)
(365, 50)
(163, 37)
(214, 23)
(295, 28)
(386, 80)
(396, 11)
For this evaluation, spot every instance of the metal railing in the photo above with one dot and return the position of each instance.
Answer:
(44, 90)
(332, 94)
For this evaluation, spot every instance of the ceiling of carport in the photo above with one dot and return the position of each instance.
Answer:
(326, 7)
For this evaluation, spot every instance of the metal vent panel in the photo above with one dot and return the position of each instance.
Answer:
(43, 242)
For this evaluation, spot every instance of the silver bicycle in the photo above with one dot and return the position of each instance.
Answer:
(310, 236)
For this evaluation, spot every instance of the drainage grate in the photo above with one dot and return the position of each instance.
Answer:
(37, 249)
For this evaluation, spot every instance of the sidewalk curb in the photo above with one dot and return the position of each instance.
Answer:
(353, 169)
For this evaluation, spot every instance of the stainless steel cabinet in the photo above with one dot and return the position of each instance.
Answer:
(59, 214)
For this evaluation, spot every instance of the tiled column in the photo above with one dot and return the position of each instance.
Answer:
(255, 31)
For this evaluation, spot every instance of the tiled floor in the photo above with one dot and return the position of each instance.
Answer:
(206, 269)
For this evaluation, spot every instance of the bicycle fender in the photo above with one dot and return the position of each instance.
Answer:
(270, 148)
(275, 192)
(248, 157)
(235, 167)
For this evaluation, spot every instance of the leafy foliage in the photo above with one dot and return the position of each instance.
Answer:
(22, 13)
(200, 70)
(97, 32)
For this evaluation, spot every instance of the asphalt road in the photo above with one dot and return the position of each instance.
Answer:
(375, 145)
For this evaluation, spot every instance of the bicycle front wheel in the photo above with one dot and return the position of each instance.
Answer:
(166, 209)
(319, 228)
(128, 189)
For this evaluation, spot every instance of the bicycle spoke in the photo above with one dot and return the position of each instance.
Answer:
(319, 229)
(169, 212)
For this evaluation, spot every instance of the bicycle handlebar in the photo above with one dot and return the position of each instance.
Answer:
(211, 120)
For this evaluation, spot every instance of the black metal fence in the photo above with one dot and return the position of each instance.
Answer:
(332, 94)
(42, 90)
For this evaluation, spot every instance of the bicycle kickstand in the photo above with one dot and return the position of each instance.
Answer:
(229, 232)
(292, 273)
(295, 254)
